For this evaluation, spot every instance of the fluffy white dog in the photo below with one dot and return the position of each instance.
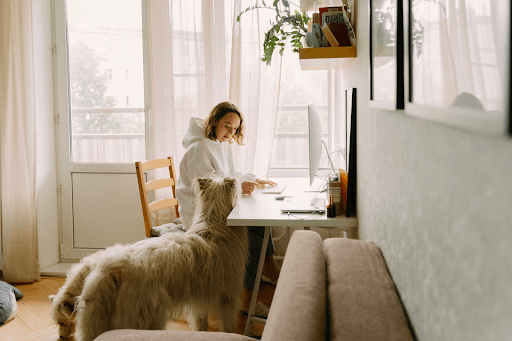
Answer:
(63, 309)
(146, 284)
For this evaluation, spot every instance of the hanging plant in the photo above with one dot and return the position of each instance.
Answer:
(288, 27)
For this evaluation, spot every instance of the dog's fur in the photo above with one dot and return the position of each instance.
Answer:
(63, 309)
(148, 283)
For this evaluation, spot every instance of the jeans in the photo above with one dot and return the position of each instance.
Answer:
(256, 234)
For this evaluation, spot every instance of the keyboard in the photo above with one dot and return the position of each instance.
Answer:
(274, 190)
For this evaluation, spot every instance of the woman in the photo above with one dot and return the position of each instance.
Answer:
(208, 151)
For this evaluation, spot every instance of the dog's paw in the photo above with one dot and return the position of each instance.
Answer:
(166, 228)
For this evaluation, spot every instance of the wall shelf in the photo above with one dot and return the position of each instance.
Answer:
(326, 58)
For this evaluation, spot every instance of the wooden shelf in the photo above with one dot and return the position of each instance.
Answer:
(326, 58)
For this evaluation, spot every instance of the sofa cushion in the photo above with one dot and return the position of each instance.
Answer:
(163, 335)
(298, 308)
(363, 302)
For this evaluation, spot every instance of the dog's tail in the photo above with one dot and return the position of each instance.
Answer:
(97, 303)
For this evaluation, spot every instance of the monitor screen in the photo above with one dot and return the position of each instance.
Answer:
(315, 141)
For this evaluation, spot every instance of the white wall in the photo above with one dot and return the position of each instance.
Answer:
(438, 202)
(46, 180)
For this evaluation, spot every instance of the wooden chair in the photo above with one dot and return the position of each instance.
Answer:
(145, 187)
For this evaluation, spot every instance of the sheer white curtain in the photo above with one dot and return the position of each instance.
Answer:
(17, 116)
(200, 56)
(255, 86)
(462, 50)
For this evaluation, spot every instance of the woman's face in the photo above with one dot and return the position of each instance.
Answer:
(227, 126)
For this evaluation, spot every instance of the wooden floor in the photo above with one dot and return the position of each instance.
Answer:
(33, 322)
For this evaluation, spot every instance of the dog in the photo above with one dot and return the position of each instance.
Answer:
(146, 284)
(64, 304)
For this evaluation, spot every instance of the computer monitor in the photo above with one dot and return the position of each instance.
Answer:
(315, 143)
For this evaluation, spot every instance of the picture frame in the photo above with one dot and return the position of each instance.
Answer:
(463, 80)
(387, 90)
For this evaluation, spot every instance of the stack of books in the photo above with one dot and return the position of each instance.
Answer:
(336, 26)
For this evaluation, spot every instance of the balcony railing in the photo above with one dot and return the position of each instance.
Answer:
(108, 147)
(290, 150)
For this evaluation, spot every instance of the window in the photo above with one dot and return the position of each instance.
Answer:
(199, 63)
(104, 128)
(298, 90)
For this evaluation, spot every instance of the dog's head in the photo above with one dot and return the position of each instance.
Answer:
(63, 313)
(217, 194)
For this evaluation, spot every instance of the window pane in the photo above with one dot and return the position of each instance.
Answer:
(106, 81)
(298, 90)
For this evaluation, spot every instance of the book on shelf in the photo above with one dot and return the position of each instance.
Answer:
(322, 10)
(336, 34)
(350, 29)
(337, 20)
(330, 36)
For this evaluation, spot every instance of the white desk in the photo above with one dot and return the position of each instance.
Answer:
(263, 210)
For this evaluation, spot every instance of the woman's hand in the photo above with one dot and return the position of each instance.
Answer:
(262, 183)
(248, 187)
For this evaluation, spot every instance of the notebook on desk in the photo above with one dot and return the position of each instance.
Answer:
(303, 205)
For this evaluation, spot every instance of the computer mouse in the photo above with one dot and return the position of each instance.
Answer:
(281, 197)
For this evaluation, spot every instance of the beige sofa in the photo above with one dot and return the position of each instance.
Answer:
(338, 289)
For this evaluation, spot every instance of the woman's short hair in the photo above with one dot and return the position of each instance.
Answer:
(218, 112)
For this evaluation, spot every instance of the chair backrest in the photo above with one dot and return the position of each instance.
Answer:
(145, 187)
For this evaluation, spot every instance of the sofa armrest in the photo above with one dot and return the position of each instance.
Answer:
(168, 335)
(363, 300)
(298, 309)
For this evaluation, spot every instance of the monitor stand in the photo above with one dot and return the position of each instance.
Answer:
(318, 186)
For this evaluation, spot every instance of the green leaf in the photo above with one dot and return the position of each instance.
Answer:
(286, 27)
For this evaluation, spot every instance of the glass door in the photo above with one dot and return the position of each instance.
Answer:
(104, 102)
